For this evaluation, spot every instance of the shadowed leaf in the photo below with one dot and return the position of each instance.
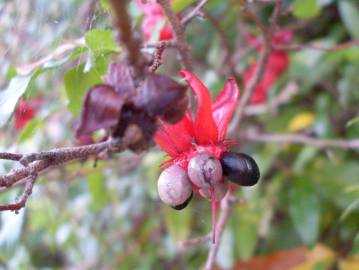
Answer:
(101, 109)
(164, 97)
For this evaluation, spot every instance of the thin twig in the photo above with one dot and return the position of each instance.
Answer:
(70, 152)
(249, 12)
(123, 25)
(37, 163)
(23, 199)
(156, 45)
(10, 156)
(248, 91)
(300, 139)
(285, 95)
(55, 54)
(179, 33)
(195, 241)
(222, 221)
(315, 46)
(226, 63)
(157, 59)
(40, 161)
(194, 12)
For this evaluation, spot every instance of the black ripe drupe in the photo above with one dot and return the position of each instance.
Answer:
(240, 168)
(183, 205)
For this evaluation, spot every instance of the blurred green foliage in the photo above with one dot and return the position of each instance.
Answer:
(109, 216)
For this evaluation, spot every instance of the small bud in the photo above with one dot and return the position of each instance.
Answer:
(220, 190)
(174, 187)
(204, 170)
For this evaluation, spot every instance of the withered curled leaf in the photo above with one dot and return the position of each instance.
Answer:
(101, 109)
(163, 97)
(124, 101)
(121, 78)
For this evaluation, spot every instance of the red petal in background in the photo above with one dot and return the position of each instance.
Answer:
(150, 24)
(261, 91)
(25, 111)
(278, 62)
(177, 138)
(101, 109)
(149, 7)
(254, 41)
(224, 106)
(166, 33)
(280, 38)
(205, 129)
(153, 16)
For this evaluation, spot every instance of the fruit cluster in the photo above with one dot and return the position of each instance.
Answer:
(199, 151)
(206, 173)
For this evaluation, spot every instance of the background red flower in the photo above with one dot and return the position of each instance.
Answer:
(278, 62)
(25, 111)
(153, 18)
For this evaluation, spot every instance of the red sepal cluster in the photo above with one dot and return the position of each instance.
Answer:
(278, 61)
(206, 131)
(153, 18)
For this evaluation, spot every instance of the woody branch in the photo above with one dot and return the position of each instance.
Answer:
(37, 163)
(179, 33)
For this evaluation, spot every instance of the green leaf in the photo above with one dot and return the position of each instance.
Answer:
(306, 154)
(10, 73)
(323, 126)
(105, 4)
(77, 83)
(225, 254)
(101, 41)
(355, 249)
(77, 53)
(246, 218)
(334, 179)
(18, 86)
(179, 5)
(43, 216)
(99, 194)
(304, 210)
(349, 13)
(30, 130)
(353, 121)
(350, 209)
(178, 223)
(305, 9)
(10, 96)
(151, 169)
